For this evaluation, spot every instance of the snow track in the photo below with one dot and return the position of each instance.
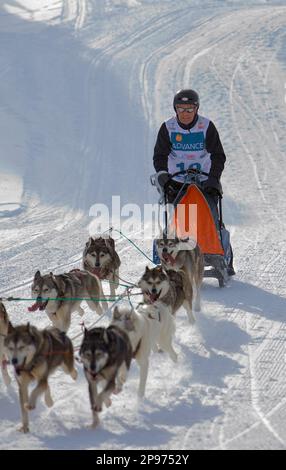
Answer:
(85, 102)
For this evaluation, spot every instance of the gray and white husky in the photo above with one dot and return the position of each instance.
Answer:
(106, 355)
(35, 355)
(183, 254)
(60, 295)
(170, 287)
(147, 327)
(5, 327)
(101, 258)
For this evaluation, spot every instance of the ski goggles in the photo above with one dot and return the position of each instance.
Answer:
(190, 110)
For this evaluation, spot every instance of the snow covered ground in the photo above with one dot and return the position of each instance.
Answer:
(85, 85)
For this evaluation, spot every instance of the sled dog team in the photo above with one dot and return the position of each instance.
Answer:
(106, 353)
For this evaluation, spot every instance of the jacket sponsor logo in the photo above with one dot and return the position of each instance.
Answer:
(193, 141)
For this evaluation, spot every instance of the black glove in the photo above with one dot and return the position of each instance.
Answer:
(211, 191)
(170, 190)
(212, 186)
(163, 178)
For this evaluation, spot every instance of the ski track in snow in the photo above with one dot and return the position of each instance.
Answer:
(228, 389)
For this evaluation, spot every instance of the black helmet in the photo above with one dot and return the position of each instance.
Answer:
(186, 97)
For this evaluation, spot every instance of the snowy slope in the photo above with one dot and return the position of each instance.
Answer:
(85, 85)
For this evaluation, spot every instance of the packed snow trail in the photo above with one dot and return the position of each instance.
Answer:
(85, 86)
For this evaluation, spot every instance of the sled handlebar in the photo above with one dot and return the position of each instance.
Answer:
(189, 171)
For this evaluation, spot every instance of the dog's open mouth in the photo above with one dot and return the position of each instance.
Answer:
(168, 258)
(20, 367)
(93, 375)
(39, 305)
(153, 297)
(97, 272)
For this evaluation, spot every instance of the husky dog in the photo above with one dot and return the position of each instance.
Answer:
(35, 355)
(101, 258)
(147, 327)
(5, 328)
(64, 290)
(170, 287)
(185, 255)
(106, 355)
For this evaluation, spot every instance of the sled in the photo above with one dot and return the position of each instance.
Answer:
(193, 219)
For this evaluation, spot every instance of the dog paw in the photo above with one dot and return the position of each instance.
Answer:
(97, 407)
(192, 319)
(29, 406)
(24, 429)
(107, 402)
(174, 357)
(141, 394)
(74, 374)
(94, 424)
(49, 402)
(7, 380)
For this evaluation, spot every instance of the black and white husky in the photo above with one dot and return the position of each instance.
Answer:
(101, 258)
(183, 255)
(35, 355)
(106, 355)
(61, 294)
(148, 327)
(169, 287)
